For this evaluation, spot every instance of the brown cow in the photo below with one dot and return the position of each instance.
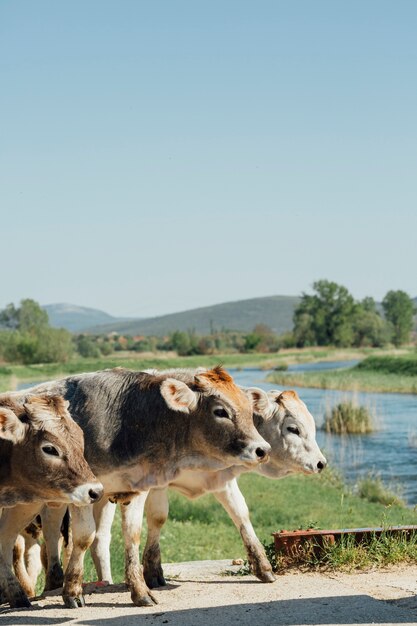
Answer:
(41, 460)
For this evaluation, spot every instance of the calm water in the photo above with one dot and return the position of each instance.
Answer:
(391, 451)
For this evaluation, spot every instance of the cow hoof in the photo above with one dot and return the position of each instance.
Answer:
(147, 600)
(74, 602)
(54, 578)
(267, 577)
(155, 578)
(20, 602)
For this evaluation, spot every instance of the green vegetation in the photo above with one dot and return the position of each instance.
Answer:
(383, 373)
(28, 338)
(347, 418)
(373, 489)
(201, 529)
(399, 310)
(347, 554)
(404, 365)
(332, 317)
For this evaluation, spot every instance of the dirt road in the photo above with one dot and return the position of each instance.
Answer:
(199, 595)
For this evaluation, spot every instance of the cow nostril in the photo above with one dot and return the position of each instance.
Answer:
(94, 495)
(260, 452)
(320, 466)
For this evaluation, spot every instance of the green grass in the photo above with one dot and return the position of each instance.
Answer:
(348, 554)
(347, 379)
(11, 374)
(201, 529)
(373, 489)
(397, 365)
(394, 373)
(348, 418)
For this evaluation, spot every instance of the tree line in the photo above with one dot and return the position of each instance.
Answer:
(330, 316)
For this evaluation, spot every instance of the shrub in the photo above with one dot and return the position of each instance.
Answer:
(348, 418)
(373, 489)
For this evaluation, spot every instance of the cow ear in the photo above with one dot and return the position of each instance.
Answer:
(178, 396)
(11, 428)
(274, 395)
(261, 404)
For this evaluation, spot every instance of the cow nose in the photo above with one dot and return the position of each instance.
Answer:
(95, 494)
(262, 451)
(321, 466)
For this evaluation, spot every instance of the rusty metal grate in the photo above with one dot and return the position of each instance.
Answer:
(289, 543)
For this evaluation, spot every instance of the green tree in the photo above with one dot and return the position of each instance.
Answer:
(325, 318)
(368, 326)
(86, 347)
(399, 310)
(29, 338)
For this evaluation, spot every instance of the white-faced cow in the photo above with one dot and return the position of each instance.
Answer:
(41, 460)
(141, 430)
(285, 422)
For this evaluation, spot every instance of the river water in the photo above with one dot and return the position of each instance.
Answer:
(390, 451)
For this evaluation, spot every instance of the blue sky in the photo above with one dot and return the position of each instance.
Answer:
(161, 155)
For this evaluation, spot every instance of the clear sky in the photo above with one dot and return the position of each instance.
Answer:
(159, 155)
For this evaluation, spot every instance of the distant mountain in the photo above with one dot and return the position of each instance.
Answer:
(275, 311)
(75, 318)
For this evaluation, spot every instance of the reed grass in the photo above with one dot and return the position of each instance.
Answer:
(347, 418)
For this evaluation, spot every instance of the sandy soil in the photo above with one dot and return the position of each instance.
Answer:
(200, 594)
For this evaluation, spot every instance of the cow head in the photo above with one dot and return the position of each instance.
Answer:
(46, 455)
(289, 427)
(221, 418)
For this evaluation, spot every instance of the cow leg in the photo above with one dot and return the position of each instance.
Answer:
(33, 560)
(83, 530)
(51, 525)
(19, 566)
(12, 521)
(132, 517)
(104, 511)
(156, 507)
(234, 503)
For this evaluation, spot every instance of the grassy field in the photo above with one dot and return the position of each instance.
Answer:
(11, 375)
(201, 529)
(385, 373)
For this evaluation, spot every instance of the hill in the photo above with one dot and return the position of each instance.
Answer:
(243, 315)
(75, 318)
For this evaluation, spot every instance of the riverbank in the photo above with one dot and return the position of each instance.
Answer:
(12, 375)
(383, 373)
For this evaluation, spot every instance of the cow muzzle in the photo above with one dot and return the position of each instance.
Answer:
(255, 453)
(89, 493)
(315, 467)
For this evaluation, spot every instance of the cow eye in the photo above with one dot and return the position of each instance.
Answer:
(293, 429)
(50, 450)
(221, 413)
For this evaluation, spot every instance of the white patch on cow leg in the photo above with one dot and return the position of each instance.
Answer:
(83, 531)
(32, 559)
(51, 527)
(19, 567)
(100, 549)
(157, 508)
(132, 518)
(232, 500)
(12, 522)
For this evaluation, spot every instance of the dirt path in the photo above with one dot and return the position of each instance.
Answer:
(198, 594)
